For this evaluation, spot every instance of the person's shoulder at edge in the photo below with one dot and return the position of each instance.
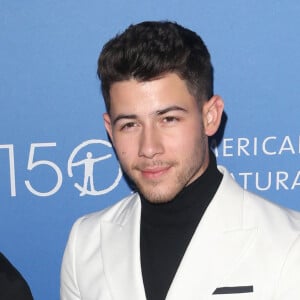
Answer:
(12, 284)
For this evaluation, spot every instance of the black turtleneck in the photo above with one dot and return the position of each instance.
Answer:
(167, 228)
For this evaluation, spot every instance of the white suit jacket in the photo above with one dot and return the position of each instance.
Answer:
(244, 248)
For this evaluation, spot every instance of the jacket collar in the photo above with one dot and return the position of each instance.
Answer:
(219, 242)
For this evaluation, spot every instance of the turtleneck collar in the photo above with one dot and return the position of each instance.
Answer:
(189, 205)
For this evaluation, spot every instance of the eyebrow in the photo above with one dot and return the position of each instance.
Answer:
(170, 108)
(123, 116)
(158, 113)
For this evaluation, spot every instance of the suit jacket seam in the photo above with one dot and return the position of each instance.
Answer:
(74, 249)
(280, 274)
(102, 260)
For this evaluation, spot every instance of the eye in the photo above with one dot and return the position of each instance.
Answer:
(170, 119)
(128, 126)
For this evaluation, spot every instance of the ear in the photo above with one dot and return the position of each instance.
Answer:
(107, 124)
(212, 111)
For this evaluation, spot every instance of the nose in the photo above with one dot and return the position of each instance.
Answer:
(150, 143)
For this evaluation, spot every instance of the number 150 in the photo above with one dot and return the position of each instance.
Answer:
(30, 166)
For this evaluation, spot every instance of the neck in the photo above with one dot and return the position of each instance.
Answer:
(167, 228)
(191, 200)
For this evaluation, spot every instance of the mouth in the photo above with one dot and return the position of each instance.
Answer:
(154, 173)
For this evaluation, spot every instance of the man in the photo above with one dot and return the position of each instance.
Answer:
(190, 232)
(12, 285)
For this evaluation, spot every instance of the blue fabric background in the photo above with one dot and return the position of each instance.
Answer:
(51, 111)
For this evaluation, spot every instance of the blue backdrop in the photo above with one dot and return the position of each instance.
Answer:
(55, 161)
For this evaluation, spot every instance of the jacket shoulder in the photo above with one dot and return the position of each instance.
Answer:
(269, 213)
(258, 211)
(117, 213)
(12, 283)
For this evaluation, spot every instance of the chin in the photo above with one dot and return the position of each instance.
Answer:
(158, 196)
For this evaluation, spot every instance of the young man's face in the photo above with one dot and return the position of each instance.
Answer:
(159, 134)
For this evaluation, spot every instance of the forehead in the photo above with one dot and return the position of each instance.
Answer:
(166, 90)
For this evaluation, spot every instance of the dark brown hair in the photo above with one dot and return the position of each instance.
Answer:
(150, 49)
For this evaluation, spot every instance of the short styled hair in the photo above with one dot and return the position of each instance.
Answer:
(148, 50)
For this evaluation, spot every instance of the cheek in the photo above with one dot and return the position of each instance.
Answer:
(121, 151)
(182, 143)
(190, 145)
(124, 150)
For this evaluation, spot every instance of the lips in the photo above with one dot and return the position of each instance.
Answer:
(154, 173)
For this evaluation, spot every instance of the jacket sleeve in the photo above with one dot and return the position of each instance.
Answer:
(288, 286)
(69, 289)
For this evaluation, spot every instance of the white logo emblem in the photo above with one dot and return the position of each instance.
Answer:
(88, 164)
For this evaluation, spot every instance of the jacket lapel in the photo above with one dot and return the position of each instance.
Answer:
(216, 249)
(217, 246)
(121, 252)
